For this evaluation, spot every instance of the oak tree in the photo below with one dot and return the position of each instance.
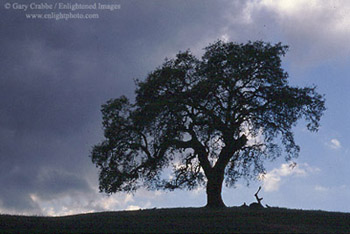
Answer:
(210, 120)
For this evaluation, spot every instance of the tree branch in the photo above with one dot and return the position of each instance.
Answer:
(256, 196)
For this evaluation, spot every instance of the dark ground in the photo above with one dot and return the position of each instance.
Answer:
(184, 220)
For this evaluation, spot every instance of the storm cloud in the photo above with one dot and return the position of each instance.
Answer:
(56, 74)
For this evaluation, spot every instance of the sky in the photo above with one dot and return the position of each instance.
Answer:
(56, 74)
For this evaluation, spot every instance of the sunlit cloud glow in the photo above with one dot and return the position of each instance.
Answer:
(273, 179)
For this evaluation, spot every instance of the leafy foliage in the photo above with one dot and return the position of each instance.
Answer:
(220, 116)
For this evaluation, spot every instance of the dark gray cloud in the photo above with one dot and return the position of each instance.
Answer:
(51, 184)
(54, 75)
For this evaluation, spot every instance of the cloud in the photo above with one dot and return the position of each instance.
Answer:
(68, 203)
(315, 30)
(289, 7)
(33, 192)
(320, 188)
(334, 144)
(272, 180)
(320, 27)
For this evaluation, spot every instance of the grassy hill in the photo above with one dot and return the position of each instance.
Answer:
(184, 220)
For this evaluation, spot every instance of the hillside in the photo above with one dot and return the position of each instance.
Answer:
(184, 220)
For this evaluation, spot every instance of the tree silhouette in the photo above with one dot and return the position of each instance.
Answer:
(207, 119)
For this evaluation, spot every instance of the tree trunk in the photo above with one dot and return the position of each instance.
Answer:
(214, 187)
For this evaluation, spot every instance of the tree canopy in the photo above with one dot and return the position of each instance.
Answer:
(210, 120)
